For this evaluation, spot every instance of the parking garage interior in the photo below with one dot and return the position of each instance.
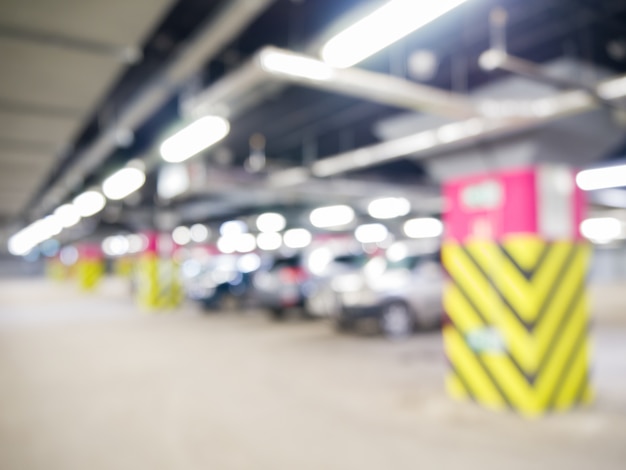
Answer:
(242, 234)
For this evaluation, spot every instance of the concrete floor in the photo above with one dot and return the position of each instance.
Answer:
(87, 382)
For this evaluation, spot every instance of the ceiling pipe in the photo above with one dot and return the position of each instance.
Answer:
(524, 116)
(272, 64)
(223, 27)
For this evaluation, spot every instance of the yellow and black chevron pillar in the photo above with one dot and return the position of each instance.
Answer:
(158, 286)
(55, 269)
(516, 336)
(90, 267)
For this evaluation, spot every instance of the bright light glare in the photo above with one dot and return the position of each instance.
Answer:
(172, 181)
(297, 238)
(371, 233)
(423, 228)
(199, 233)
(295, 65)
(249, 263)
(319, 260)
(397, 252)
(89, 203)
(270, 222)
(269, 241)
(390, 23)
(116, 245)
(332, 216)
(245, 243)
(233, 228)
(389, 207)
(226, 245)
(601, 229)
(67, 215)
(123, 183)
(68, 255)
(137, 243)
(181, 235)
(29, 237)
(194, 138)
(602, 178)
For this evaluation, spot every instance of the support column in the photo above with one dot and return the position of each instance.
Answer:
(516, 335)
(89, 267)
(158, 283)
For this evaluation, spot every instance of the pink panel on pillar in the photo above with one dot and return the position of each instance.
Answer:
(90, 251)
(491, 206)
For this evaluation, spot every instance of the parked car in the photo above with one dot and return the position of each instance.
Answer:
(281, 287)
(400, 294)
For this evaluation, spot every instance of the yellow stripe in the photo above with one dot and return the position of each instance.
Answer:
(455, 387)
(525, 250)
(482, 387)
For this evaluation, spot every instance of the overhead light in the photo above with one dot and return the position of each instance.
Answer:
(602, 178)
(226, 245)
(181, 235)
(390, 23)
(68, 255)
(297, 238)
(199, 233)
(245, 243)
(332, 216)
(67, 215)
(269, 241)
(271, 222)
(89, 203)
(397, 252)
(173, 180)
(249, 263)
(601, 229)
(233, 228)
(51, 226)
(371, 233)
(197, 136)
(423, 228)
(117, 245)
(389, 207)
(295, 65)
(137, 243)
(123, 183)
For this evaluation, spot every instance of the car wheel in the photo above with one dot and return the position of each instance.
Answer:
(396, 320)
(277, 314)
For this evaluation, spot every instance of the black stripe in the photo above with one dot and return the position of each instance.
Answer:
(528, 273)
(487, 372)
(530, 378)
(569, 311)
(566, 370)
(501, 296)
(571, 256)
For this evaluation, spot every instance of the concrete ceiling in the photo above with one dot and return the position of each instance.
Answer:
(59, 58)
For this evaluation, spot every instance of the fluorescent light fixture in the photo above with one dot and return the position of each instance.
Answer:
(123, 183)
(233, 228)
(199, 233)
(197, 136)
(332, 216)
(295, 65)
(390, 23)
(297, 238)
(89, 203)
(117, 245)
(181, 235)
(67, 215)
(51, 226)
(270, 222)
(397, 252)
(245, 243)
(423, 228)
(371, 233)
(249, 263)
(319, 259)
(269, 241)
(602, 178)
(173, 180)
(601, 229)
(226, 245)
(137, 243)
(389, 207)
